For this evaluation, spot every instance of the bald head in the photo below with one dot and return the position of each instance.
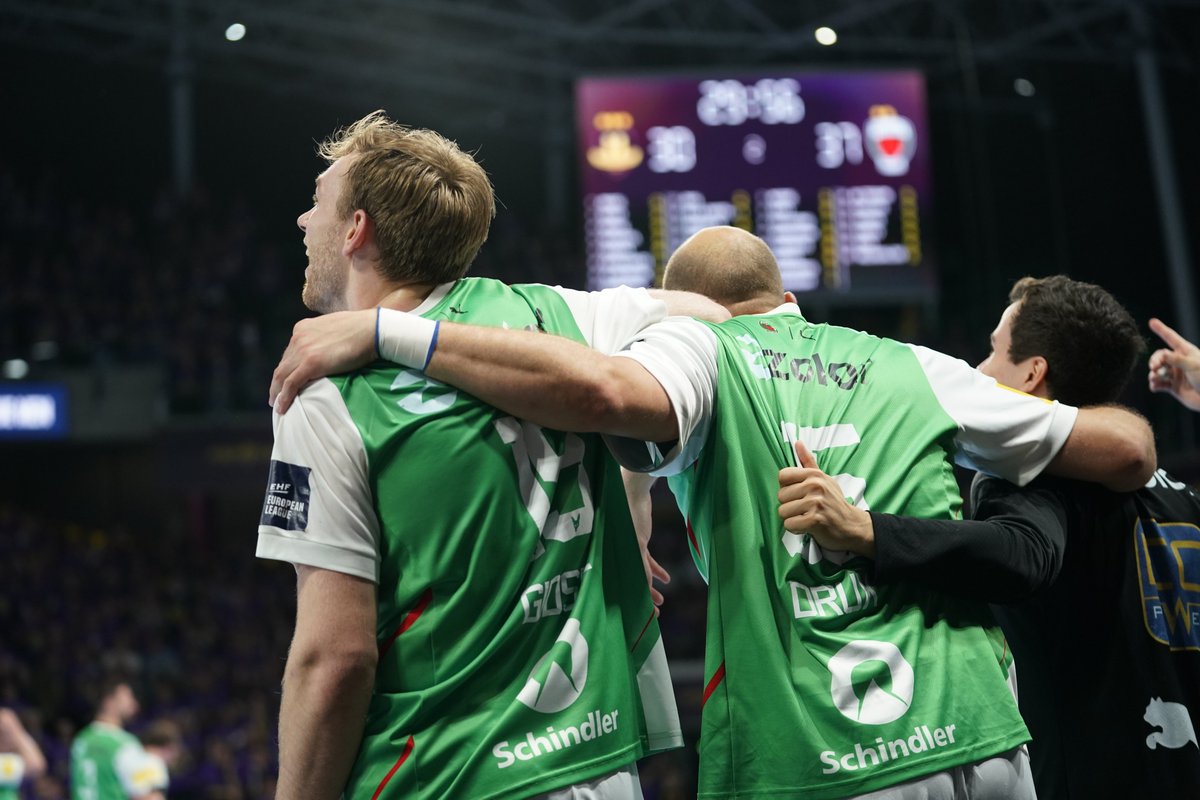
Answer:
(729, 265)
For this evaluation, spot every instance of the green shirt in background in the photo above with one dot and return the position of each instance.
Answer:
(94, 769)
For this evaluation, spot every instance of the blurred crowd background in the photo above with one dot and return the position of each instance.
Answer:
(130, 545)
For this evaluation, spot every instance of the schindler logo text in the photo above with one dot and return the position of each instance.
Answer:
(596, 725)
(881, 751)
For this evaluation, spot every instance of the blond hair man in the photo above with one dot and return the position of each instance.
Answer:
(472, 620)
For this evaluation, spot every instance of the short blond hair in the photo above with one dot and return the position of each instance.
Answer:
(431, 203)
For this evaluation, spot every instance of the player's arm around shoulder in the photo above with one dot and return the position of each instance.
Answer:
(327, 683)
(690, 304)
(1110, 445)
(552, 381)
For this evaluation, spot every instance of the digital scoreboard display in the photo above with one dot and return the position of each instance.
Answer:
(832, 170)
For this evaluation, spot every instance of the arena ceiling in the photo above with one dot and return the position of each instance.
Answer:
(510, 63)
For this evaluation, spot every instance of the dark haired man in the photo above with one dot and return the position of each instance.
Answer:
(105, 758)
(1105, 636)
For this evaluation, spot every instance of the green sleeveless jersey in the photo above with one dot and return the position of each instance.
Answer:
(820, 684)
(518, 647)
(94, 762)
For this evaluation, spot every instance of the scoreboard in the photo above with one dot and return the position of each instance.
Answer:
(832, 170)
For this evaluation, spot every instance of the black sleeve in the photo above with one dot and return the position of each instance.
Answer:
(1012, 548)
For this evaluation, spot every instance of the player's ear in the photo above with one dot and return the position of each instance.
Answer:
(1035, 370)
(789, 297)
(358, 234)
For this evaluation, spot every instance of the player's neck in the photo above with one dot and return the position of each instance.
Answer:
(406, 297)
(368, 289)
(112, 720)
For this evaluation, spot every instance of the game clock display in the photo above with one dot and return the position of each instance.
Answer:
(832, 170)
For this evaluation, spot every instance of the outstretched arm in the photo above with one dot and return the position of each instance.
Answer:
(553, 382)
(1012, 548)
(1176, 368)
(346, 340)
(1109, 445)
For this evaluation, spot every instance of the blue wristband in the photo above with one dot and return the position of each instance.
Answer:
(437, 326)
(378, 314)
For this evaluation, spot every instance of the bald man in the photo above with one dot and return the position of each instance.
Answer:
(819, 684)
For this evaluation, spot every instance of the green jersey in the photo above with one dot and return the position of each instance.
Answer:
(104, 760)
(518, 647)
(820, 684)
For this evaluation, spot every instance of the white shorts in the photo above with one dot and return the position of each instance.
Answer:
(620, 785)
(1003, 777)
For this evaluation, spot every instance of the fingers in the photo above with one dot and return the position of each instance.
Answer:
(287, 393)
(799, 515)
(803, 457)
(277, 378)
(658, 572)
(1168, 335)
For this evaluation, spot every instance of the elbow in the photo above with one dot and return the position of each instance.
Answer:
(1138, 461)
(337, 668)
(1047, 563)
(609, 402)
(1042, 571)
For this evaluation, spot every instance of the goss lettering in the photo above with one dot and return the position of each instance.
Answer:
(554, 597)
(815, 368)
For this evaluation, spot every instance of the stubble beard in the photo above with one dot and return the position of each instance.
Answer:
(325, 288)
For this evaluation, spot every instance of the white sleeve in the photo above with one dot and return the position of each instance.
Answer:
(12, 770)
(318, 509)
(138, 771)
(681, 354)
(610, 319)
(1002, 431)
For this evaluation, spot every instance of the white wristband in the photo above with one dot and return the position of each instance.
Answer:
(405, 338)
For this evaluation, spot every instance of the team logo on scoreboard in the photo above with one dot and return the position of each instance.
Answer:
(1168, 559)
(891, 140)
(615, 151)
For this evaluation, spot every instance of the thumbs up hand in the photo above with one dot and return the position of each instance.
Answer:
(812, 502)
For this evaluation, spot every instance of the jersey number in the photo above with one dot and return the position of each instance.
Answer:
(852, 486)
(539, 468)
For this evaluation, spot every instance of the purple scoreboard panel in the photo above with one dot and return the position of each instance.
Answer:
(831, 169)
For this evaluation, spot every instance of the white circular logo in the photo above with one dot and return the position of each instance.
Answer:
(872, 683)
(558, 678)
(439, 397)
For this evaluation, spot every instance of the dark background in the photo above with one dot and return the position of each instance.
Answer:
(138, 538)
